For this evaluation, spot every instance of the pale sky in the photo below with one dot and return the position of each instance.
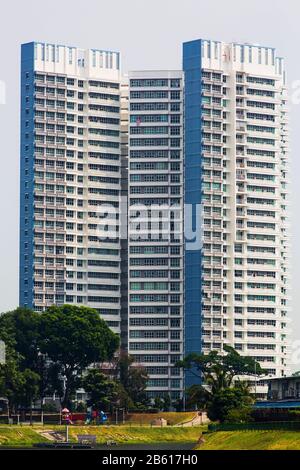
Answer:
(149, 35)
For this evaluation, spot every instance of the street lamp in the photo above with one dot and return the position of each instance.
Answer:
(123, 415)
(255, 377)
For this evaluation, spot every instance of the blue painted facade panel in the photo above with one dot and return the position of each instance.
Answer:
(193, 270)
(26, 260)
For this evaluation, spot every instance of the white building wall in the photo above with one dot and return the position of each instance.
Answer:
(155, 271)
(77, 174)
(245, 116)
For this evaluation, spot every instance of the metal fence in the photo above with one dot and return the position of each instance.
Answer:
(77, 419)
(33, 418)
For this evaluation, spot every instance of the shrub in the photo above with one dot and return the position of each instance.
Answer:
(239, 415)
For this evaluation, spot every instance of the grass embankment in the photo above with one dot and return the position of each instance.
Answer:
(19, 436)
(26, 436)
(251, 440)
(172, 418)
(138, 435)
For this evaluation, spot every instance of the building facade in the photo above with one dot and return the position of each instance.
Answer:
(70, 179)
(236, 167)
(155, 241)
(206, 147)
(284, 388)
(124, 213)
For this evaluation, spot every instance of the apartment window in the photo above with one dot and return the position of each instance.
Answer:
(175, 83)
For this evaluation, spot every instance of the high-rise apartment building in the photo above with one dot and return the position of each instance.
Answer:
(210, 144)
(236, 167)
(155, 242)
(70, 179)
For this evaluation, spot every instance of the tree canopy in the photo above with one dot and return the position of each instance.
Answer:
(56, 345)
(19, 329)
(218, 370)
(221, 390)
(102, 391)
(133, 378)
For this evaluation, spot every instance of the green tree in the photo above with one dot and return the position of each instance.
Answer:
(101, 389)
(20, 387)
(30, 388)
(158, 403)
(10, 382)
(197, 397)
(179, 405)
(123, 400)
(73, 338)
(167, 402)
(218, 370)
(218, 393)
(163, 403)
(81, 407)
(134, 379)
(242, 414)
(232, 404)
(19, 329)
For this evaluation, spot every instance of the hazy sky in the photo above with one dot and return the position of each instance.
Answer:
(149, 35)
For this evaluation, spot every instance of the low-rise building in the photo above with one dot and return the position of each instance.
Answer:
(284, 388)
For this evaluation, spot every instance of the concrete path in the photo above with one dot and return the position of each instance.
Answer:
(197, 420)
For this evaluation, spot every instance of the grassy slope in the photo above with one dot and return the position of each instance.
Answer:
(19, 436)
(133, 435)
(172, 417)
(252, 440)
(26, 435)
